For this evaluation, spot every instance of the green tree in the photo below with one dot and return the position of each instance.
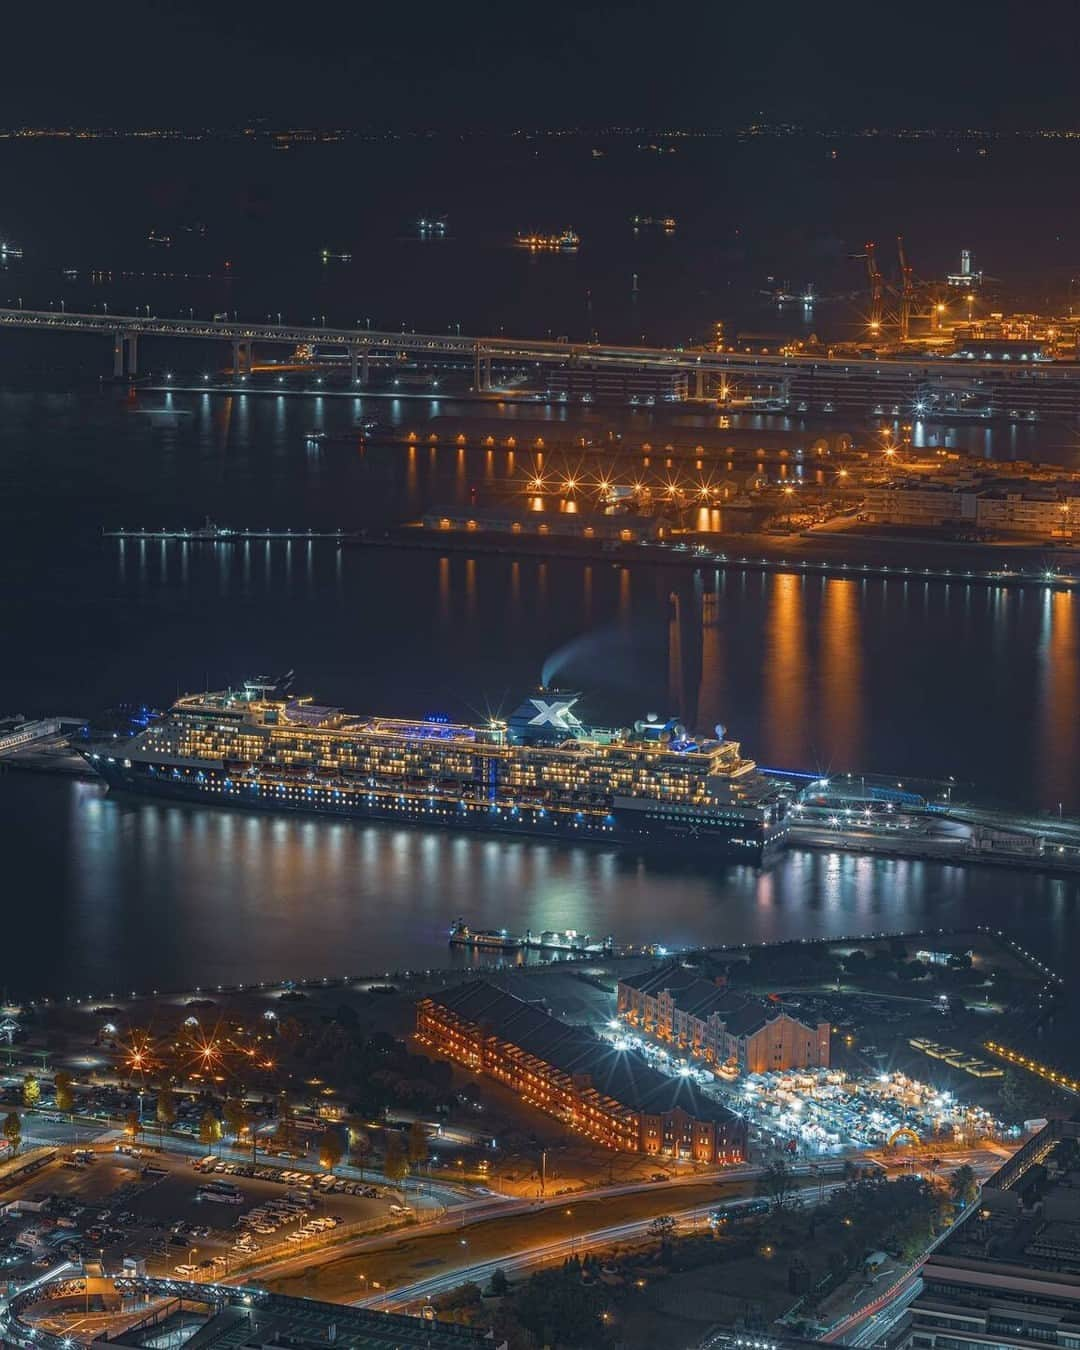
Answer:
(209, 1129)
(360, 1148)
(963, 1185)
(31, 1091)
(395, 1163)
(559, 1310)
(65, 1094)
(1025, 1097)
(331, 1150)
(13, 1130)
(166, 1107)
(416, 1145)
(777, 1183)
(499, 1283)
(235, 1117)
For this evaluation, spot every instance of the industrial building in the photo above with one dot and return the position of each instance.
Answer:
(750, 1035)
(1035, 510)
(577, 383)
(612, 1096)
(1008, 1275)
(155, 1314)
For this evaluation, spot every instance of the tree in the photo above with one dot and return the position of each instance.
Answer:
(166, 1107)
(65, 1095)
(13, 1130)
(285, 1131)
(132, 1124)
(331, 1150)
(235, 1117)
(209, 1129)
(395, 1163)
(559, 1310)
(360, 1148)
(416, 1146)
(1027, 1098)
(777, 1183)
(499, 1283)
(963, 1185)
(31, 1091)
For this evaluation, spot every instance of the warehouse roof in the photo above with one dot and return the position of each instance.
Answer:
(622, 1075)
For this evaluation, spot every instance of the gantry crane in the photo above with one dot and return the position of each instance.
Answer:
(907, 289)
(877, 285)
(913, 299)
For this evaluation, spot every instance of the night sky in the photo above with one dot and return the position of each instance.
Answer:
(502, 65)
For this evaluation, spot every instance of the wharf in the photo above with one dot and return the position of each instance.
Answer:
(222, 534)
(1055, 860)
(53, 755)
(662, 553)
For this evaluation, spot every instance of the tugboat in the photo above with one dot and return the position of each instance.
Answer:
(490, 939)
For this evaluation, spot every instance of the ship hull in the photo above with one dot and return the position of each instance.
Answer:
(747, 841)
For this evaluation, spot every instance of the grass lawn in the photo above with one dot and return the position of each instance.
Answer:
(407, 1259)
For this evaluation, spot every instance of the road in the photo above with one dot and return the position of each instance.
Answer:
(874, 1319)
(544, 1254)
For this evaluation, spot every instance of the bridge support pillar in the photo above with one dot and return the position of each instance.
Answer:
(125, 354)
(476, 374)
(354, 357)
(700, 388)
(365, 366)
(241, 361)
(485, 378)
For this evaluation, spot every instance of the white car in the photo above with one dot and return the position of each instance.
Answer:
(185, 1271)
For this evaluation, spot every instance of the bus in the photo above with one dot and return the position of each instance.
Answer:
(752, 1209)
(223, 1192)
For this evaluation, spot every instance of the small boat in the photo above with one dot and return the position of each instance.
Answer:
(566, 241)
(490, 939)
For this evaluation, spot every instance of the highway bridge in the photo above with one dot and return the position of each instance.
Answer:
(919, 385)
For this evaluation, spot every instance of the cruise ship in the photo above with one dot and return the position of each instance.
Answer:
(542, 772)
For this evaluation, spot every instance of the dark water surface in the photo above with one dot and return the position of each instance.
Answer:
(898, 677)
(107, 896)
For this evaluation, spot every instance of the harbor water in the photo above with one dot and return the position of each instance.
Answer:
(901, 677)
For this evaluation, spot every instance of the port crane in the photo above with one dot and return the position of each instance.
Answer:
(906, 288)
(877, 285)
(913, 299)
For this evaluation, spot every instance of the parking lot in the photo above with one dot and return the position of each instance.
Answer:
(168, 1213)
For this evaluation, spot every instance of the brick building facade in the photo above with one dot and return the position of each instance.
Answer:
(719, 1025)
(612, 1096)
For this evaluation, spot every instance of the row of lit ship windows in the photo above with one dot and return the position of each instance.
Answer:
(401, 803)
(194, 742)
